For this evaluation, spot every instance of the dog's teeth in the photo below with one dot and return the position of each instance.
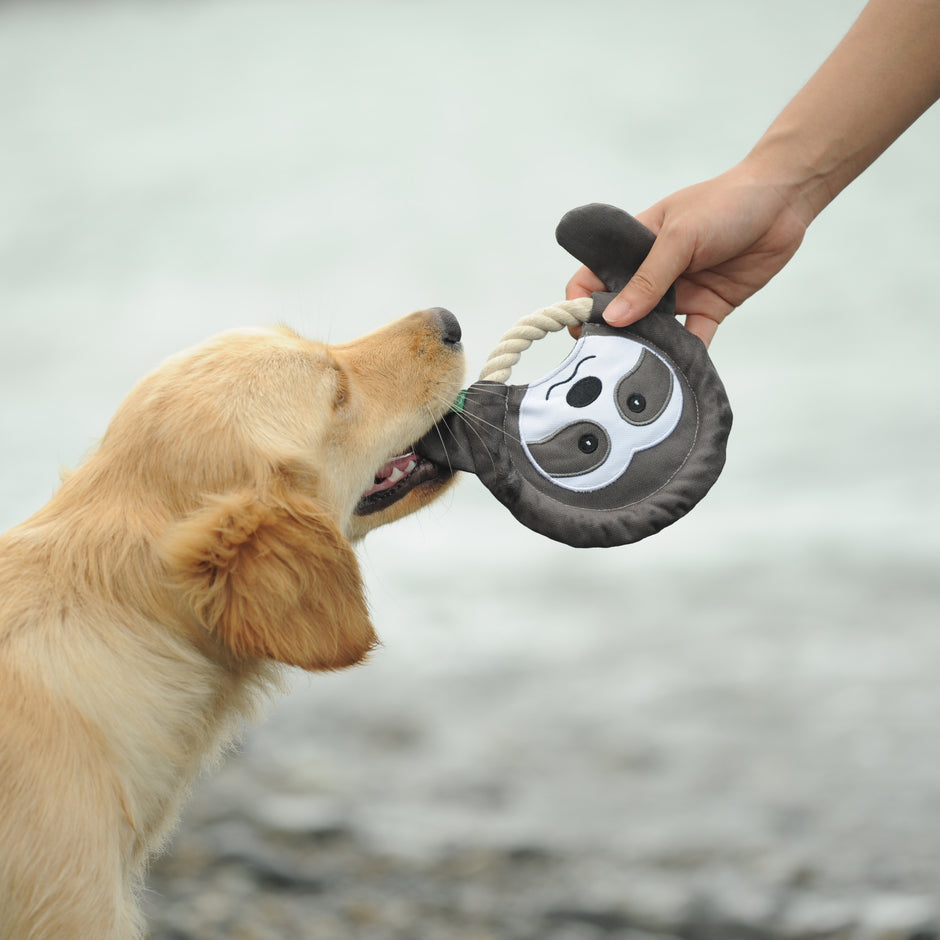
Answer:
(411, 465)
(395, 475)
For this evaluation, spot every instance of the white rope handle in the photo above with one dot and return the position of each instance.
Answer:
(517, 340)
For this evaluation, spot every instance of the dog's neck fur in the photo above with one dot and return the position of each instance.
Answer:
(166, 724)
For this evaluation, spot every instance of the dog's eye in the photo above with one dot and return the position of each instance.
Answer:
(340, 388)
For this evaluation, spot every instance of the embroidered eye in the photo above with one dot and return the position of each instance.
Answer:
(643, 393)
(584, 391)
(588, 443)
(572, 451)
(636, 403)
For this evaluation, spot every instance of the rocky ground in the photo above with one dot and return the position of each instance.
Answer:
(745, 780)
(232, 877)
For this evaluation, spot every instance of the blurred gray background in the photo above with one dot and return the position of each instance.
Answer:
(726, 730)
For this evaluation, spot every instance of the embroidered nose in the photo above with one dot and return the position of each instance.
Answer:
(584, 391)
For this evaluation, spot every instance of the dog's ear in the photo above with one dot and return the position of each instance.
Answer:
(273, 577)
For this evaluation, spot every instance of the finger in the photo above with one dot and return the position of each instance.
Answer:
(665, 262)
(583, 283)
(703, 327)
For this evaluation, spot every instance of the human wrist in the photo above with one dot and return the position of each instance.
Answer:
(806, 180)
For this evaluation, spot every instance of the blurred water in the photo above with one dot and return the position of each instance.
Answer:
(759, 678)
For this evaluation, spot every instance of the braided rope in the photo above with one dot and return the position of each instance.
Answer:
(536, 325)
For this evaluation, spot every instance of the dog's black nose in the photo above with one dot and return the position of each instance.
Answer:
(450, 328)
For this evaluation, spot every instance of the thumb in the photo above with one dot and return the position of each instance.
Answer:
(664, 263)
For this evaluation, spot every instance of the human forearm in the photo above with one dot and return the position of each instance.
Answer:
(880, 78)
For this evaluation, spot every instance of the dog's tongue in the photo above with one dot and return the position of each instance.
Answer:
(396, 469)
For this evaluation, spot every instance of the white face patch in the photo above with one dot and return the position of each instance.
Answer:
(612, 397)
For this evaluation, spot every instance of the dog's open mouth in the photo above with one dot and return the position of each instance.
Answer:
(396, 479)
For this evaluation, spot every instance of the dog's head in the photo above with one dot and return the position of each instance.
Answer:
(268, 453)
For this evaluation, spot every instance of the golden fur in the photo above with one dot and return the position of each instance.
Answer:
(147, 605)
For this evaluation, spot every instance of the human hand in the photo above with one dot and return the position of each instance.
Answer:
(720, 241)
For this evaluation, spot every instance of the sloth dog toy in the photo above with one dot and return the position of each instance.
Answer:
(624, 437)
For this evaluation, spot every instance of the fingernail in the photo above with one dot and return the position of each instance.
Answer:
(618, 312)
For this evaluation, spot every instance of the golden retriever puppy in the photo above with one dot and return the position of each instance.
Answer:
(149, 603)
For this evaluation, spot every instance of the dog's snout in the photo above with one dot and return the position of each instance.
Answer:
(448, 325)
